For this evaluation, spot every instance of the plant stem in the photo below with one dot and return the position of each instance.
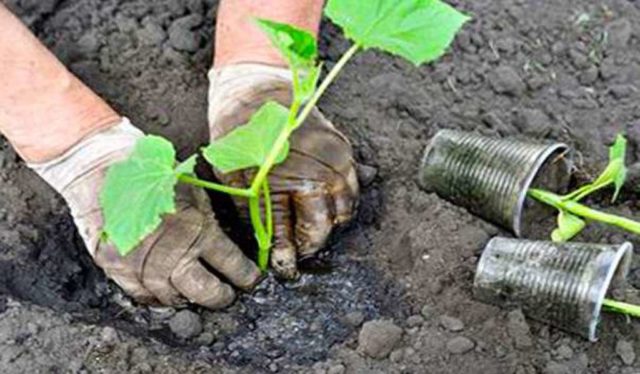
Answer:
(244, 192)
(294, 122)
(584, 191)
(584, 211)
(264, 242)
(620, 307)
(268, 209)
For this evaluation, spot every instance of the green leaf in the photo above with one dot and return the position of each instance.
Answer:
(249, 145)
(418, 30)
(309, 82)
(138, 191)
(619, 148)
(617, 152)
(187, 166)
(298, 46)
(616, 171)
(569, 226)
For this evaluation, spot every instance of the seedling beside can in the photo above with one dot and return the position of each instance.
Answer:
(140, 191)
(572, 215)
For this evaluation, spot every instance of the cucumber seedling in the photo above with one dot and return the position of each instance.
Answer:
(572, 215)
(139, 191)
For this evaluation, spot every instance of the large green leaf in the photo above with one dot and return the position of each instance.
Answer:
(249, 145)
(139, 190)
(298, 46)
(418, 30)
(569, 226)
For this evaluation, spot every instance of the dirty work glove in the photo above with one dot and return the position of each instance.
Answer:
(315, 189)
(166, 267)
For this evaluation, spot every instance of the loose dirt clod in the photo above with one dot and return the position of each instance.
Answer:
(378, 338)
(625, 350)
(519, 329)
(451, 323)
(505, 80)
(460, 345)
(186, 324)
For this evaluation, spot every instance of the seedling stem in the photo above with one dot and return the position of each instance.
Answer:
(561, 203)
(622, 308)
(295, 122)
(216, 187)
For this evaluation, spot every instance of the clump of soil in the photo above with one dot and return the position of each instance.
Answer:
(567, 71)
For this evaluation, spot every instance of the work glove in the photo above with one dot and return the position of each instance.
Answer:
(314, 190)
(167, 267)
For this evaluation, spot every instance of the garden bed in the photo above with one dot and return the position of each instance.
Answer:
(567, 71)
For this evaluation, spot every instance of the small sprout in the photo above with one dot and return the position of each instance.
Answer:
(569, 226)
(582, 19)
(570, 218)
(617, 155)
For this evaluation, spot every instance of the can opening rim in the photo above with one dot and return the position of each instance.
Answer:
(522, 196)
(620, 264)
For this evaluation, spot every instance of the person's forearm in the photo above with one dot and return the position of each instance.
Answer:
(44, 109)
(239, 40)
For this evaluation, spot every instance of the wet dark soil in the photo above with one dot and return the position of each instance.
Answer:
(550, 70)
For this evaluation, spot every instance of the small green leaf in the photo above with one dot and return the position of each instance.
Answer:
(309, 82)
(249, 145)
(618, 152)
(138, 191)
(616, 172)
(569, 226)
(298, 46)
(418, 30)
(187, 166)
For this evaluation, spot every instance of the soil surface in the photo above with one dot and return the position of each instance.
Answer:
(393, 292)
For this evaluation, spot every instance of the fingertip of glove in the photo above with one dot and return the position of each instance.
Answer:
(284, 264)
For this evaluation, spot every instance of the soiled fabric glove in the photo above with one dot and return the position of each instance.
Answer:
(315, 189)
(166, 268)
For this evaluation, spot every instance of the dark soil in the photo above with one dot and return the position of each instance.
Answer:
(548, 70)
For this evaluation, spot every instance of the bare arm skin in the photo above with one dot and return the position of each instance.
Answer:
(239, 40)
(44, 109)
(71, 137)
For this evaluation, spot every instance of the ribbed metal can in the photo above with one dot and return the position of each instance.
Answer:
(490, 177)
(562, 284)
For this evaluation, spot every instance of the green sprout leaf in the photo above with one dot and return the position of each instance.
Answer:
(617, 154)
(569, 226)
(309, 83)
(249, 145)
(298, 46)
(418, 30)
(139, 190)
(616, 171)
(187, 166)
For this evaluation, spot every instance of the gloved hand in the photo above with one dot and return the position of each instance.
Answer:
(315, 189)
(165, 268)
